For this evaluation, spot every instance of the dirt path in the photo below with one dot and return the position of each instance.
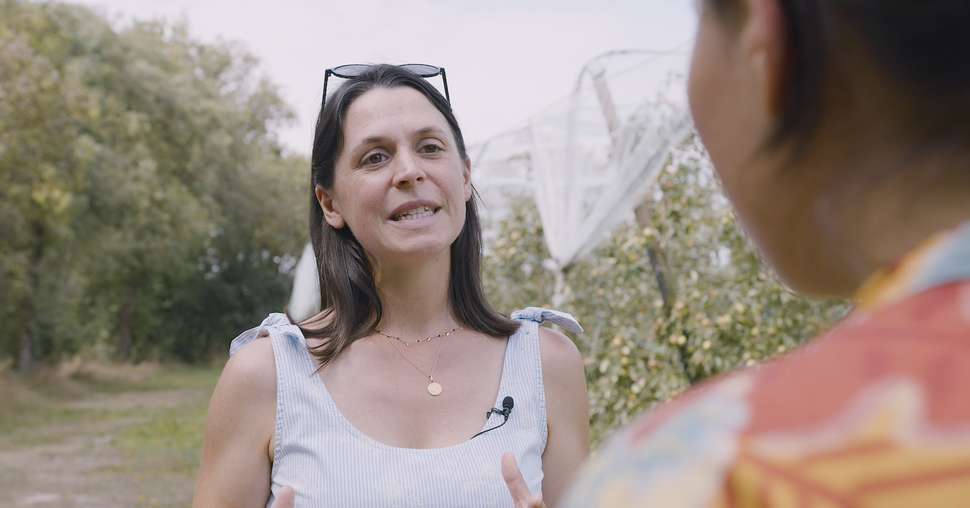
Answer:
(126, 449)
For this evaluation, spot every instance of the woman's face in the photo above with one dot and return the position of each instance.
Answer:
(399, 182)
(730, 120)
(735, 86)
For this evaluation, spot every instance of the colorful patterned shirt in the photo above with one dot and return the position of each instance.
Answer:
(875, 413)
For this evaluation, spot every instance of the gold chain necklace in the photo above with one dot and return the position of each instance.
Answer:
(426, 339)
(434, 388)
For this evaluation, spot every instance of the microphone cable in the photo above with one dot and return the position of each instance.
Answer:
(507, 404)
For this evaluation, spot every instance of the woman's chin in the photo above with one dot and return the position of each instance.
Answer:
(417, 250)
(812, 279)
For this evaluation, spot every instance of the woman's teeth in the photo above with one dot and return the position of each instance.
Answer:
(415, 213)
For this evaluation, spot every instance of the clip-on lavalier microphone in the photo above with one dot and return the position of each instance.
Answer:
(506, 410)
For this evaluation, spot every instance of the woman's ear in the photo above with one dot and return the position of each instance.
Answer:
(767, 52)
(329, 207)
(466, 174)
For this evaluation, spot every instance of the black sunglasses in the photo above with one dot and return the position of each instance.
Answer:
(353, 70)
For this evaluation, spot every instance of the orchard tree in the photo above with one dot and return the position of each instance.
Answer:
(671, 296)
(148, 210)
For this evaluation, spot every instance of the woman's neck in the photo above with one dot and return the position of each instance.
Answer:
(880, 220)
(415, 298)
(902, 216)
(858, 197)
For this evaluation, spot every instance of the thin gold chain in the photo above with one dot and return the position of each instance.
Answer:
(431, 375)
(426, 339)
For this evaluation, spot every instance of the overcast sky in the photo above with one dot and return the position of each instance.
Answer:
(506, 59)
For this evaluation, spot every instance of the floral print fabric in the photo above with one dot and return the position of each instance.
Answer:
(873, 414)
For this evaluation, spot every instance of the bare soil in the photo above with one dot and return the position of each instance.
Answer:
(104, 449)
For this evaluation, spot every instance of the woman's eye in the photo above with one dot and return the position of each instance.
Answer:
(431, 148)
(376, 158)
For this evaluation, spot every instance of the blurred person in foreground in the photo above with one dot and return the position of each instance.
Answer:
(841, 132)
(386, 397)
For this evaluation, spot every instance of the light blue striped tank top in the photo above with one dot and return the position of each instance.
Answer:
(330, 463)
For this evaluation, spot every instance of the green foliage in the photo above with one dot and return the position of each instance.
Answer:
(146, 209)
(724, 308)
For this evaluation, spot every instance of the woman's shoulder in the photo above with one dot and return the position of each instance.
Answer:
(557, 349)
(541, 315)
(246, 391)
(252, 367)
(240, 425)
(275, 320)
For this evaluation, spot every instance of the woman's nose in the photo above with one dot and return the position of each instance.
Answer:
(408, 170)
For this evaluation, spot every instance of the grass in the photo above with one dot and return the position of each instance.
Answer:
(51, 396)
(134, 431)
(170, 441)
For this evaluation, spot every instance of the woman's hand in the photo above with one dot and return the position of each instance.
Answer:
(285, 499)
(517, 487)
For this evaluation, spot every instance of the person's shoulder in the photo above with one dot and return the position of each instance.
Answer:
(557, 349)
(252, 367)
(562, 372)
(237, 449)
(942, 310)
(688, 439)
(245, 396)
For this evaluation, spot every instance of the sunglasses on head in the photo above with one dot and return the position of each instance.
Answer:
(353, 70)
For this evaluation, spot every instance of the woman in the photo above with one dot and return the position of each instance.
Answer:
(839, 129)
(375, 401)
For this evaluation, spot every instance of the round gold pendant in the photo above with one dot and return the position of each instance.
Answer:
(434, 389)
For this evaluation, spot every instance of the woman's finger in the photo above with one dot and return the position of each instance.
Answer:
(286, 498)
(521, 496)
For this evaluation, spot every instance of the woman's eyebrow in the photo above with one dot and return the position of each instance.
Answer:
(366, 142)
(429, 130)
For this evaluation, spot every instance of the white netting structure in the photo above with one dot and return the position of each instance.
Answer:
(589, 159)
